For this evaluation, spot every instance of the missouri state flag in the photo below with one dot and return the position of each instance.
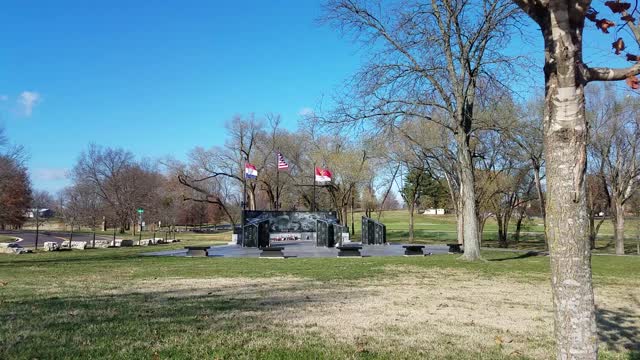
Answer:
(323, 175)
(250, 171)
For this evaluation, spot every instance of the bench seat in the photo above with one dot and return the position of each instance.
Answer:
(273, 252)
(455, 249)
(197, 250)
(349, 251)
(413, 250)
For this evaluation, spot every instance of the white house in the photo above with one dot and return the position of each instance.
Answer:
(433, 212)
(43, 213)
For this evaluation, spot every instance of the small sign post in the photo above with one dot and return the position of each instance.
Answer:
(140, 212)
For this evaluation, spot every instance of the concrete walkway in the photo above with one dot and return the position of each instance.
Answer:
(302, 249)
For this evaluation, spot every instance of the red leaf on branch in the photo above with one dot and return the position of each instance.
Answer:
(618, 45)
(591, 14)
(633, 82)
(631, 57)
(617, 7)
(604, 25)
(628, 18)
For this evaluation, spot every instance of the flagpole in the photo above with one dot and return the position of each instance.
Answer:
(244, 194)
(277, 187)
(244, 202)
(313, 204)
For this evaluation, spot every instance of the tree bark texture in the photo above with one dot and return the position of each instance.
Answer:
(468, 199)
(618, 225)
(565, 137)
(460, 225)
(543, 212)
(412, 210)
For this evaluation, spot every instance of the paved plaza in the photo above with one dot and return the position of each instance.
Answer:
(302, 249)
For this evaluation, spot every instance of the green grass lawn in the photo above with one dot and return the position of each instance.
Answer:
(7, 239)
(114, 303)
(441, 229)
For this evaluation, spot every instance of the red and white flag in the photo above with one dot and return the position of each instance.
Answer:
(323, 175)
(282, 165)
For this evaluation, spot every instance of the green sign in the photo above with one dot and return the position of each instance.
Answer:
(140, 211)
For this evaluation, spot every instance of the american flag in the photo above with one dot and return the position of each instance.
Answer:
(282, 165)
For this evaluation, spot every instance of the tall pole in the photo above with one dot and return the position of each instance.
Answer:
(244, 204)
(313, 203)
(140, 235)
(277, 187)
(37, 226)
(353, 197)
(244, 194)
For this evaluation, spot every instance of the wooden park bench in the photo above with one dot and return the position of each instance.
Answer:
(197, 250)
(414, 250)
(272, 252)
(349, 251)
(454, 249)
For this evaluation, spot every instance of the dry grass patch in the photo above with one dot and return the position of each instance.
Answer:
(424, 312)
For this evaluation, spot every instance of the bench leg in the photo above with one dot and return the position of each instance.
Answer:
(197, 253)
(349, 253)
(272, 254)
(413, 253)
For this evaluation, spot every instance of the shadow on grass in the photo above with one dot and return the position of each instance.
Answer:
(521, 256)
(620, 330)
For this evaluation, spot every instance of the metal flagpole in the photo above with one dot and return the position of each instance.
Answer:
(277, 186)
(244, 203)
(244, 194)
(313, 204)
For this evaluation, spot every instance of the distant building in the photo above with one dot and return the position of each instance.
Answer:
(43, 213)
(433, 212)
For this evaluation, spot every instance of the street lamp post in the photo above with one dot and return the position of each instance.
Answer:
(140, 212)
(37, 215)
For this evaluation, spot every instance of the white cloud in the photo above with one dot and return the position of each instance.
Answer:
(50, 174)
(306, 111)
(27, 101)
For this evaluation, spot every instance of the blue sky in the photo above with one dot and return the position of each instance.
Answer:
(157, 80)
(161, 77)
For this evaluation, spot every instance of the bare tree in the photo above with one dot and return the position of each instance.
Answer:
(527, 134)
(615, 151)
(350, 164)
(597, 205)
(429, 58)
(123, 184)
(513, 193)
(415, 186)
(40, 201)
(229, 161)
